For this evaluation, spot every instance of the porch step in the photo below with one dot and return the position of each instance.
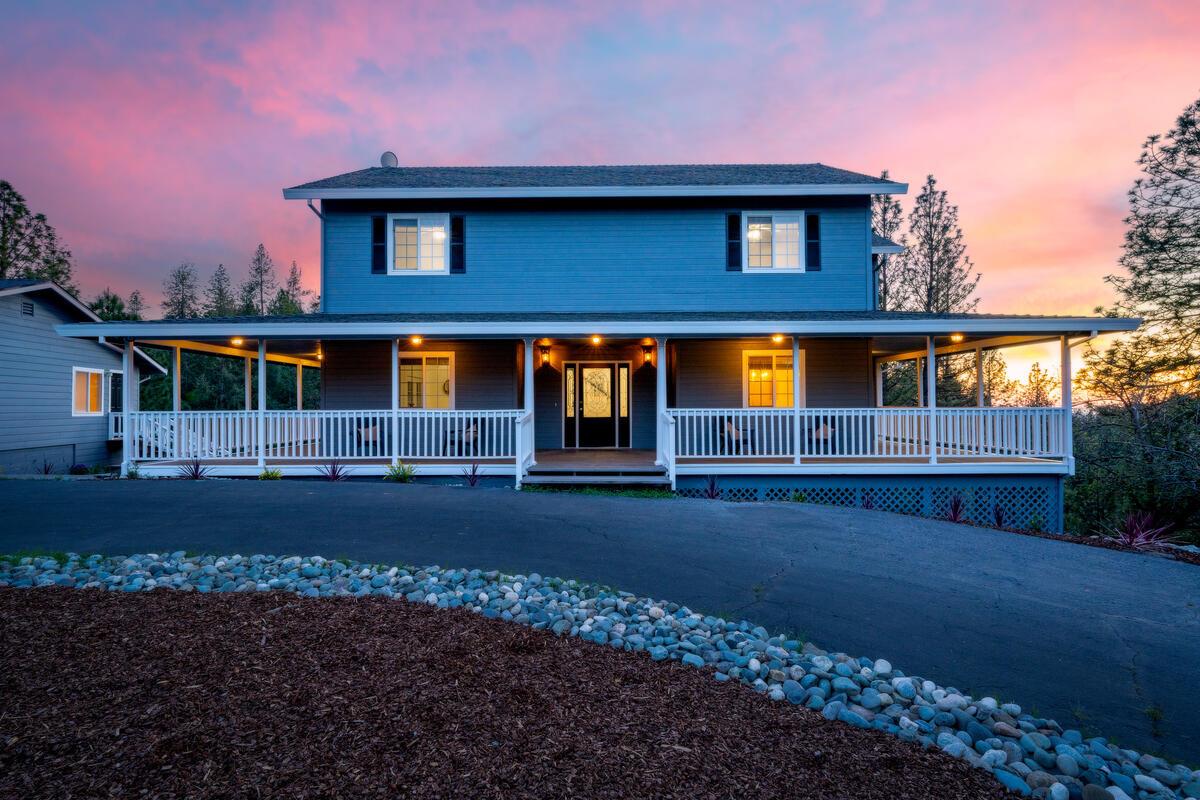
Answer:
(594, 479)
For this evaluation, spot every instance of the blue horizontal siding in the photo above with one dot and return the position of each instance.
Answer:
(35, 389)
(598, 260)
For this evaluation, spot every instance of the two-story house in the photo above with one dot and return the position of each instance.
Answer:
(681, 325)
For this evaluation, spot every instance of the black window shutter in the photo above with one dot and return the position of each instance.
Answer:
(733, 242)
(378, 245)
(458, 244)
(812, 242)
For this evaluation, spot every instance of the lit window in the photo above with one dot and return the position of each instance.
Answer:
(87, 392)
(427, 380)
(418, 244)
(773, 241)
(767, 379)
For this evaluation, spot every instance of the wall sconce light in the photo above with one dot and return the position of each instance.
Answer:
(320, 356)
(415, 340)
(956, 337)
(237, 340)
(545, 351)
(647, 354)
(777, 338)
(596, 339)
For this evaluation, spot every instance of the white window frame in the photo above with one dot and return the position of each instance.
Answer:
(422, 221)
(424, 354)
(772, 270)
(103, 404)
(797, 402)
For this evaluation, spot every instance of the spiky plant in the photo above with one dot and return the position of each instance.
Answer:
(956, 511)
(999, 516)
(193, 470)
(270, 474)
(47, 468)
(712, 491)
(333, 470)
(400, 473)
(471, 474)
(1138, 531)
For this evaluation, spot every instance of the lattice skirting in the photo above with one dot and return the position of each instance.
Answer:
(1021, 501)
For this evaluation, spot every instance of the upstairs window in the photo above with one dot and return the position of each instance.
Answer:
(418, 244)
(773, 240)
(87, 392)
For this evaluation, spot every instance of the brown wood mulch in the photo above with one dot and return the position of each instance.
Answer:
(167, 694)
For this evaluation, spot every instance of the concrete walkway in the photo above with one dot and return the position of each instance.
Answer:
(1091, 637)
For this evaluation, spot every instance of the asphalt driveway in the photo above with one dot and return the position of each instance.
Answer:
(1099, 640)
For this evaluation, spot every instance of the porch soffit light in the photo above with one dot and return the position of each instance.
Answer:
(957, 337)
(237, 340)
(596, 339)
(777, 338)
(416, 340)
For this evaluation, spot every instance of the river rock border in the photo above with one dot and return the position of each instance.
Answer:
(1029, 755)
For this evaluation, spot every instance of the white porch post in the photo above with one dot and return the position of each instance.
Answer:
(395, 401)
(299, 387)
(931, 394)
(980, 394)
(1068, 421)
(920, 383)
(660, 396)
(796, 421)
(528, 359)
(262, 404)
(249, 382)
(129, 381)
(176, 380)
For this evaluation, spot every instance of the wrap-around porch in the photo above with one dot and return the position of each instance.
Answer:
(592, 408)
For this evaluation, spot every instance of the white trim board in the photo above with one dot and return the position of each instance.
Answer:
(706, 190)
(585, 328)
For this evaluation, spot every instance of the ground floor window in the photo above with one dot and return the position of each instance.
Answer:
(767, 379)
(87, 392)
(427, 380)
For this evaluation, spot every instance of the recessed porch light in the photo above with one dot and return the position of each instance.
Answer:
(596, 339)
(237, 340)
(957, 337)
(777, 338)
(415, 340)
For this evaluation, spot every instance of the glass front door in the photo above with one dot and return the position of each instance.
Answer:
(596, 404)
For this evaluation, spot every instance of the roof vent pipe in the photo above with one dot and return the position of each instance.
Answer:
(388, 159)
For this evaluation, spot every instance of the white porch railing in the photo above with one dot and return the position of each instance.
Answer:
(406, 435)
(116, 425)
(525, 444)
(666, 445)
(875, 433)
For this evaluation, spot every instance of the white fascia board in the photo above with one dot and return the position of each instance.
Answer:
(886, 249)
(561, 328)
(407, 193)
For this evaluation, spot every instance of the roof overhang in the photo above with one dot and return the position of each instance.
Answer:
(748, 190)
(886, 249)
(534, 327)
(76, 304)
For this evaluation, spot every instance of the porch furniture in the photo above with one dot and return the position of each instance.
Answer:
(461, 441)
(738, 440)
(822, 438)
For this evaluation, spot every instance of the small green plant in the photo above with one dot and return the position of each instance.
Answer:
(270, 474)
(1155, 715)
(132, 473)
(400, 473)
(1035, 523)
(99, 469)
(79, 469)
(799, 497)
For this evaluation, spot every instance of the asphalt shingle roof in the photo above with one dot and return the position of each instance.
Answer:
(881, 241)
(15, 283)
(632, 175)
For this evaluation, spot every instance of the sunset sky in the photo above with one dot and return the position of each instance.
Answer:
(151, 138)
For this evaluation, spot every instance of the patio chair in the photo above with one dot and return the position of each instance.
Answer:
(463, 441)
(822, 438)
(738, 441)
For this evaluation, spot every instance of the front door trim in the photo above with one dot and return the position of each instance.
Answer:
(616, 365)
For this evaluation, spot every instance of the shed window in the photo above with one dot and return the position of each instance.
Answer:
(773, 241)
(87, 392)
(418, 244)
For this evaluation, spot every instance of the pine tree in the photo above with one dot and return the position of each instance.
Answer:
(886, 218)
(934, 271)
(29, 246)
(109, 306)
(218, 295)
(1162, 246)
(259, 289)
(180, 298)
(290, 298)
(1038, 389)
(135, 306)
